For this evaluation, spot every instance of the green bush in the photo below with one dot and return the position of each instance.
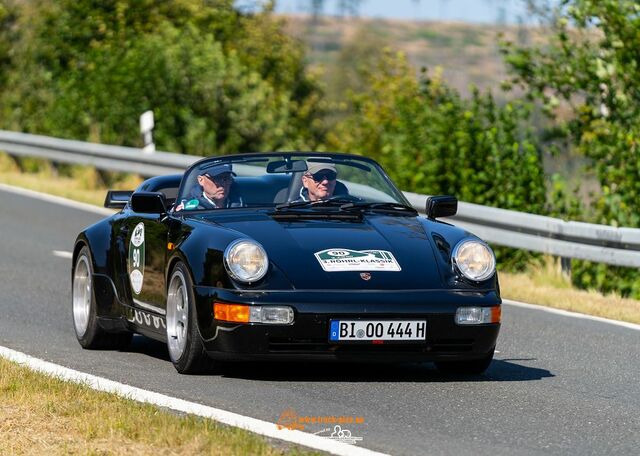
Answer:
(587, 80)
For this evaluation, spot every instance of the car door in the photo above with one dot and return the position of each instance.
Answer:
(144, 237)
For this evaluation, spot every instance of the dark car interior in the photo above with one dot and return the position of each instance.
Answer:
(254, 190)
(167, 185)
(292, 192)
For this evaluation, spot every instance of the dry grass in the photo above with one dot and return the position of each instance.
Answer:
(546, 285)
(84, 184)
(43, 415)
(60, 186)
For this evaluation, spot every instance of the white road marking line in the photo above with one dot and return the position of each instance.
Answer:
(566, 313)
(161, 400)
(57, 200)
(62, 254)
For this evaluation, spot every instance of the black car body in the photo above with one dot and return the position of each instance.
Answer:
(347, 277)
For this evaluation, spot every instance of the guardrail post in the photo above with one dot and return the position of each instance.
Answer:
(565, 266)
(146, 128)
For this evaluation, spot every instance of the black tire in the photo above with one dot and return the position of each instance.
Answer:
(471, 367)
(185, 346)
(83, 308)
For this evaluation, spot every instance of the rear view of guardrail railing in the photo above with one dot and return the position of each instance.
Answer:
(586, 241)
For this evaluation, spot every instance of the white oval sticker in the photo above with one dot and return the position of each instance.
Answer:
(337, 253)
(135, 264)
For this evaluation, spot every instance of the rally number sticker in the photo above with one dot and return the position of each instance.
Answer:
(136, 258)
(336, 260)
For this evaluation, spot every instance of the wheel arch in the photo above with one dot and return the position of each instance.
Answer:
(194, 358)
(97, 239)
(171, 264)
(80, 243)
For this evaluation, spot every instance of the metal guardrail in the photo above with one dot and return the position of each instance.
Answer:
(537, 233)
(110, 158)
(586, 241)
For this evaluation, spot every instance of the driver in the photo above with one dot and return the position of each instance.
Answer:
(318, 182)
(214, 190)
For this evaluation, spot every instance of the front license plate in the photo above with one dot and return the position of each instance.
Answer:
(362, 330)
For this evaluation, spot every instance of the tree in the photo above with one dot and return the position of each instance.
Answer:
(8, 38)
(218, 80)
(589, 71)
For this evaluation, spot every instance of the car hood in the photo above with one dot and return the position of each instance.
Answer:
(395, 251)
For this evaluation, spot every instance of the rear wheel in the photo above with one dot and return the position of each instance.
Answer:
(85, 320)
(472, 367)
(186, 349)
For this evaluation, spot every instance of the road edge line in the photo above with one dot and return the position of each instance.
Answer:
(254, 425)
(567, 313)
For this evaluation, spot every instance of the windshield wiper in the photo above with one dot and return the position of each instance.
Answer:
(293, 204)
(333, 201)
(398, 208)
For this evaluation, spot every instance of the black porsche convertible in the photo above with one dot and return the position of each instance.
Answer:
(286, 256)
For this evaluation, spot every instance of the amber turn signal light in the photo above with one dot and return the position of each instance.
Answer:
(236, 313)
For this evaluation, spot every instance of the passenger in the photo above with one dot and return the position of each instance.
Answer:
(214, 190)
(318, 182)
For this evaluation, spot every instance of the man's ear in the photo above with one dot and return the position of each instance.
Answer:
(305, 182)
(200, 178)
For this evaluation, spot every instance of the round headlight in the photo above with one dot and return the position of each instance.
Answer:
(474, 259)
(246, 260)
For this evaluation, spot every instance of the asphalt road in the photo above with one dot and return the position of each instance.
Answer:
(558, 385)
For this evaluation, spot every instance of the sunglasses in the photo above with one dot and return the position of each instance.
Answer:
(322, 175)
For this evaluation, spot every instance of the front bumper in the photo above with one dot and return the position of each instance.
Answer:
(307, 337)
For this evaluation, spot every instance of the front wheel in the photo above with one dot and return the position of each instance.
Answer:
(472, 367)
(186, 349)
(85, 319)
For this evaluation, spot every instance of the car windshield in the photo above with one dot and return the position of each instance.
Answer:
(284, 181)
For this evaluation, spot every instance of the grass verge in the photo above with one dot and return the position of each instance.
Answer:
(76, 182)
(547, 286)
(544, 285)
(40, 414)
(66, 187)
